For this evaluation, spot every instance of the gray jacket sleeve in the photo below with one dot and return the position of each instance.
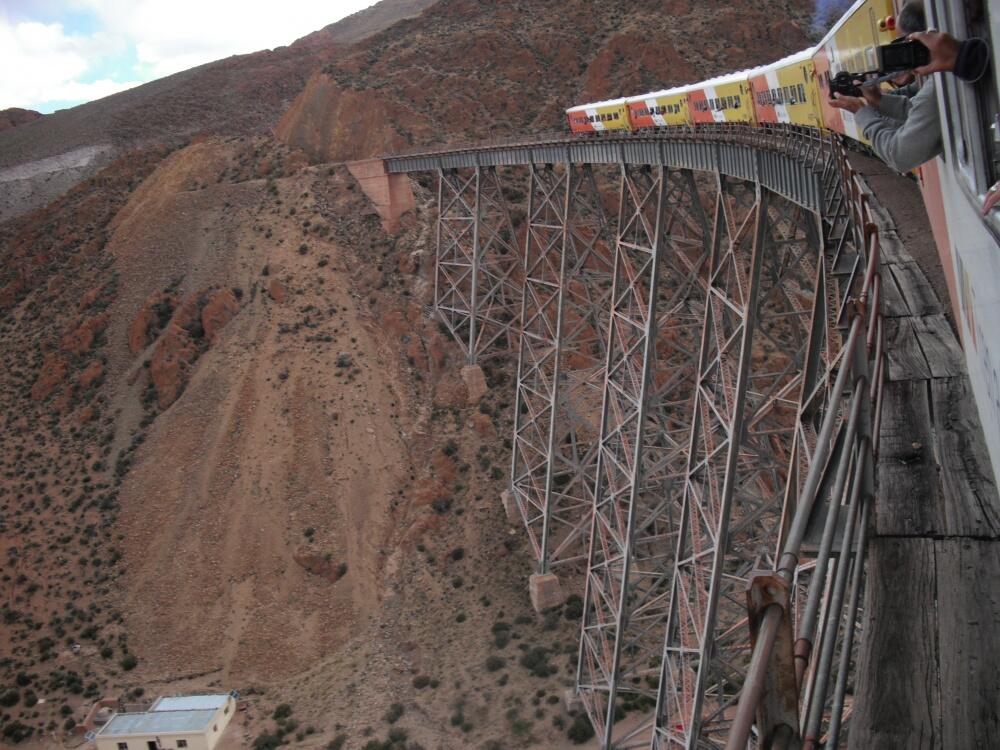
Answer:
(896, 104)
(905, 145)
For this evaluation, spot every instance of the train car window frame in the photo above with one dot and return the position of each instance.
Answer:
(968, 107)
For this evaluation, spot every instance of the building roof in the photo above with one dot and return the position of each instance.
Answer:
(189, 702)
(158, 722)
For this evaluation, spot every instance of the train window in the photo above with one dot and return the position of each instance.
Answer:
(736, 102)
(802, 93)
(970, 110)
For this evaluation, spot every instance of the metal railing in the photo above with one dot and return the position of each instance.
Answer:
(827, 623)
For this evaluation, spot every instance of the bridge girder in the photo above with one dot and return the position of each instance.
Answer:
(711, 332)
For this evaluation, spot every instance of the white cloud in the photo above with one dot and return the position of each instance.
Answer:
(173, 35)
(42, 62)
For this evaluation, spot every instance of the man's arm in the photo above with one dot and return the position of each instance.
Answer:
(908, 144)
(896, 106)
(968, 60)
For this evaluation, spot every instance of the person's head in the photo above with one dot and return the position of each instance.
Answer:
(911, 18)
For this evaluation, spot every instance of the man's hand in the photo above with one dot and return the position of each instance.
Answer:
(992, 199)
(850, 103)
(872, 94)
(944, 51)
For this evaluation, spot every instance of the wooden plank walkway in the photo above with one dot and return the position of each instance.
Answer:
(929, 671)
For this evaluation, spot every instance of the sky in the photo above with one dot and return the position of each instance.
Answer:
(60, 53)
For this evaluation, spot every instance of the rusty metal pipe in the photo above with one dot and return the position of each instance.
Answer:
(790, 553)
(837, 709)
(807, 621)
(834, 611)
(753, 688)
(783, 737)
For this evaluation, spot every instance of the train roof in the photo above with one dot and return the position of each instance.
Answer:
(663, 92)
(798, 57)
(736, 77)
(841, 20)
(594, 105)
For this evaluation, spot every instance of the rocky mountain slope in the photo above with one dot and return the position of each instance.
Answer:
(242, 94)
(474, 69)
(14, 116)
(237, 452)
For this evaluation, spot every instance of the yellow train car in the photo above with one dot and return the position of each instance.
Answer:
(787, 92)
(599, 117)
(851, 46)
(660, 108)
(723, 99)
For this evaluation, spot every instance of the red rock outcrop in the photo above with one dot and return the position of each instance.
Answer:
(81, 338)
(151, 320)
(51, 374)
(219, 309)
(194, 326)
(14, 116)
(330, 123)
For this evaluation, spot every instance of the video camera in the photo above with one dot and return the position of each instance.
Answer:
(899, 57)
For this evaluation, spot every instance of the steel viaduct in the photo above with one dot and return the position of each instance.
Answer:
(742, 433)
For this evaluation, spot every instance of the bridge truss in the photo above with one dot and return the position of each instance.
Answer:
(698, 381)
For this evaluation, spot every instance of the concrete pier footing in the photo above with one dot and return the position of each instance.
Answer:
(545, 591)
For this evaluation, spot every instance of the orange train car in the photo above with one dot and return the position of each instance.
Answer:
(660, 108)
(599, 117)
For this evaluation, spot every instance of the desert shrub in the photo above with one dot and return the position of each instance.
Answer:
(282, 711)
(573, 610)
(129, 662)
(580, 730)
(421, 681)
(337, 743)
(394, 713)
(494, 663)
(536, 661)
(267, 741)
(10, 697)
(16, 732)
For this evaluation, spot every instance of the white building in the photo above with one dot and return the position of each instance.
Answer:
(194, 722)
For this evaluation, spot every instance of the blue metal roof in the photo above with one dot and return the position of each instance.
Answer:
(189, 702)
(158, 722)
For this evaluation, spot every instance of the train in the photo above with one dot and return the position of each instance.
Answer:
(792, 91)
(795, 91)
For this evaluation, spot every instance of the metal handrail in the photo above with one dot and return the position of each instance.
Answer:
(785, 139)
(862, 361)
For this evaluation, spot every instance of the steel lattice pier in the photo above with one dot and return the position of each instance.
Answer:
(697, 383)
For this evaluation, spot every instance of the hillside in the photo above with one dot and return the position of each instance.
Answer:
(238, 454)
(243, 94)
(14, 116)
(474, 69)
